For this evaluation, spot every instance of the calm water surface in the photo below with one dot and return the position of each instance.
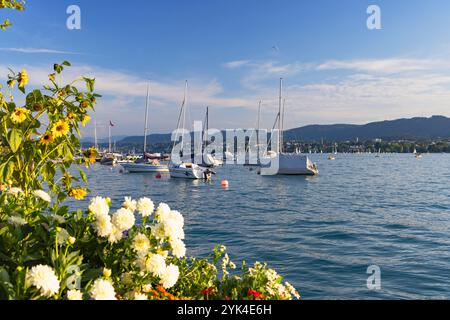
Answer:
(320, 232)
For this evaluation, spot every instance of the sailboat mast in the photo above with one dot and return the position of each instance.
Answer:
(109, 137)
(207, 125)
(258, 128)
(280, 137)
(95, 135)
(146, 120)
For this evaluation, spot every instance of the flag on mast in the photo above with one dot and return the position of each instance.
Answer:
(111, 124)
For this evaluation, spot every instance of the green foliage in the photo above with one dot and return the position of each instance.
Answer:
(42, 137)
(10, 4)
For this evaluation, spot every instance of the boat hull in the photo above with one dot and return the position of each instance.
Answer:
(143, 167)
(186, 173)
(290, 164)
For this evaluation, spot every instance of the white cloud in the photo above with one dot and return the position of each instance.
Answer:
(236, 64)
(36, 50)
(385, 66)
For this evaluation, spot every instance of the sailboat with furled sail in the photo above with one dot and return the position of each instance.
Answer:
(287, 163)
(185, 170)
(148, 163)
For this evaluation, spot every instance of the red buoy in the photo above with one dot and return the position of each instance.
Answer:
(158, 176)
(224, 184)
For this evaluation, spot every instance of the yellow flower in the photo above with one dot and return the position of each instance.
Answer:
(23, 78)
(85, 120)
(78, 193)
(61, 128)
(91, 155)
(71, 116)
(11, 83)
(19, 115)
(51, 77)
(46, 138)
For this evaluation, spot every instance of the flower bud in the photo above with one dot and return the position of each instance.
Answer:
(72, 240)
(106, 272)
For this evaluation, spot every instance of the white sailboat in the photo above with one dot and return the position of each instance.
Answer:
(184, 170)
(416, 154)
(285, 163)
(145, 165)
(332, 156)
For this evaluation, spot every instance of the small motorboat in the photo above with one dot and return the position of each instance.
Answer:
(186, 171)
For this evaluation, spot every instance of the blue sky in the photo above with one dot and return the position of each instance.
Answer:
(335, 69)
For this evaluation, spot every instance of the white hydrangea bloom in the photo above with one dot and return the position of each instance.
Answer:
(42, 195)
(45, 279)
(130, 204)
(141, 244)
(145, 206)
(178, 248)
(74, 295)
(123, 219)
(99, 206)
(103, 290)
(170, 276)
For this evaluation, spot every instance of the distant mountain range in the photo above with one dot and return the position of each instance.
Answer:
(416, 128)
(436, 127)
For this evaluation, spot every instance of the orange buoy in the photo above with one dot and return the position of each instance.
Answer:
(224, 184)
(158, 176)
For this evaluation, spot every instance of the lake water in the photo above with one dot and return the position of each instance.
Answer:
(320, 232)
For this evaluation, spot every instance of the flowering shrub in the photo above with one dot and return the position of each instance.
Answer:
(136, 252)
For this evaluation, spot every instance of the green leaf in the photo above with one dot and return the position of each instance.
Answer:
(15, 139)
(58, 68)
(83, 175)
(89, 84)
(66, 63)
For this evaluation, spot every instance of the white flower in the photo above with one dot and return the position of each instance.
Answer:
(170, 276)
(140, 296)
(129, 204)
(62, 236)
(59, 219)
(162, 210)
(145, 206)
(74, 295)
(17, 221)
(115, 236)
(123, 219)
(103, 290)
(292, 290)
(158, 231)
(155, 264)
(178, 248)
(103, 225)
(42, 195)
(45, 279)
(173, 229)
(99, 206)
(146, 288)
(141, 244)
(15, 191)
